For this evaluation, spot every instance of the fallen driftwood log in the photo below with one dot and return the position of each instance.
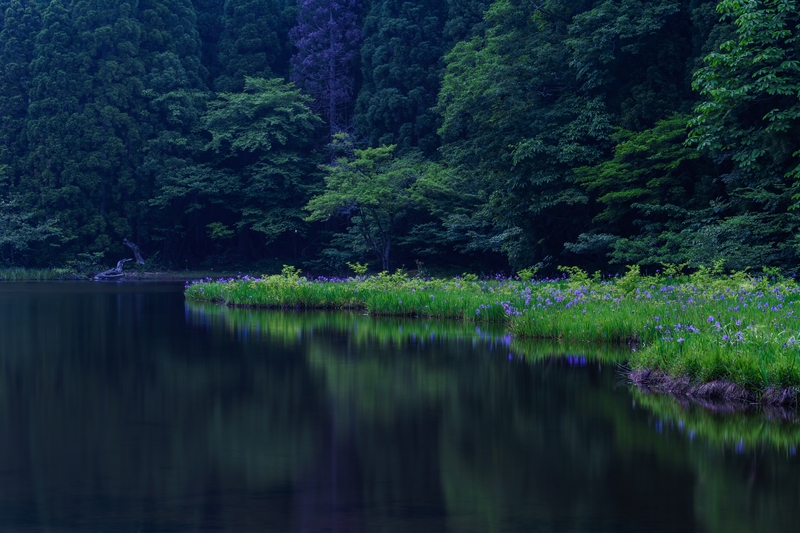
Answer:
(112, 273)
(137, 254)
(116, 272)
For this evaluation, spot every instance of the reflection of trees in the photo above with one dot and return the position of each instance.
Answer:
(117, 412)
(320, 421)
(507, 444)
(746, 470)
(544, 454)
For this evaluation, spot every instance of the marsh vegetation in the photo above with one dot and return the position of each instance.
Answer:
(739, 328)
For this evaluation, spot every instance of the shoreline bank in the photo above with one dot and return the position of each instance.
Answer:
(713, 395)
(738, 335)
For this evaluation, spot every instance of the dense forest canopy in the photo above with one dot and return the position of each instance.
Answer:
(464, 134)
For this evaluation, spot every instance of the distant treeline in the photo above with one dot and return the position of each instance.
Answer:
(425, 133)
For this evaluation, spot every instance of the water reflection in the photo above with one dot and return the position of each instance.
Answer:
(121, 408)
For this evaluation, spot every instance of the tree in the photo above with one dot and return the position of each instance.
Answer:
(515, 124)
(372, 189)
(750, 115)
(52, 182)
(540, 94)
(21, 23)
(254, 43)
(752, 89)
(656, 194)
(327, 40)
(22, 237)
(402, 60)
(259, 174)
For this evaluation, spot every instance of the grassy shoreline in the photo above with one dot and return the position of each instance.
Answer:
(708, 327)
(68, 274)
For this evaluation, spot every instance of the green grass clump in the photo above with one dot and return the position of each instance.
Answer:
(35, 274)
(384, 295)
(706, 327)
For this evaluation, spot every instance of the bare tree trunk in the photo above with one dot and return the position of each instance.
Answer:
(385, 253)
(135, 249)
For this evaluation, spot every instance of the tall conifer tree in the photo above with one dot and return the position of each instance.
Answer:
(52, 183)
(327, 38)
(21, 23)
(254, 43)
(402, 64)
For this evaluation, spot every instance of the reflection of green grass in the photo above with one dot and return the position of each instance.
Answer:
(735, 430)
(389, 331)
(739, 328)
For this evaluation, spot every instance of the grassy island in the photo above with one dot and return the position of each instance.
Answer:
(704, 334)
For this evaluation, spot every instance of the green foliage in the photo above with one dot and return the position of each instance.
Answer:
(525, 104)
(652, 187)
(672, 269)
(254, 43)
(749, 114)
(86, 263)
(629, 282)
(259, 176)
(357, 268)
(752, 85)
(218, 230)
(21, 23)
(526, 274)
(372, 189)
(24, 237)
(561, 126)
(577, 277)
(401, 63)
(290, 273)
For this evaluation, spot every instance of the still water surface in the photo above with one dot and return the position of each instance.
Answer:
(123, 408)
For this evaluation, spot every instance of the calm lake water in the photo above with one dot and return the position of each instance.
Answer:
(124, 408)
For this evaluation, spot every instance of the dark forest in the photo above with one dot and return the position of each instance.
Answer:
(454, 135)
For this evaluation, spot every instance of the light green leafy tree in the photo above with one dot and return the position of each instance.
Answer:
(750, 115)
(752, 88)
(372, 188)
